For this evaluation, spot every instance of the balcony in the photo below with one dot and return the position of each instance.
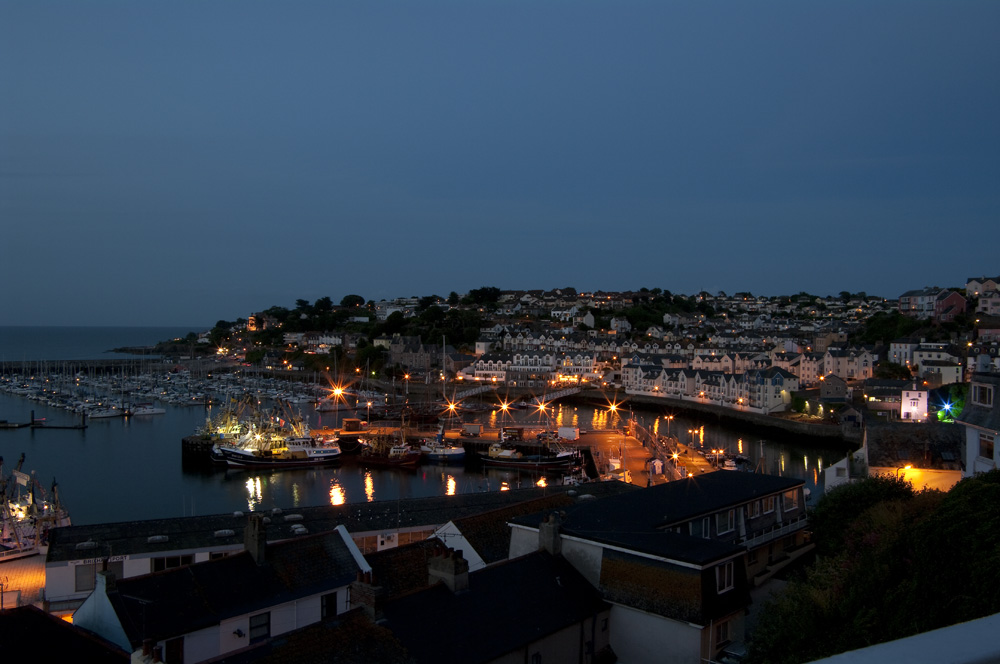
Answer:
(777, 531)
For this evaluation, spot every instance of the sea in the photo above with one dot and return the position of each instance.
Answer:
(120, 470)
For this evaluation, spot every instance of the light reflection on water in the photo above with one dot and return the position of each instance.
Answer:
(337, 496)
(139, 453)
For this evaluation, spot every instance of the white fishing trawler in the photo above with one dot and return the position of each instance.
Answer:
(27, 513)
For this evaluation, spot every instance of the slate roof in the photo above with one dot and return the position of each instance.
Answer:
(198, 532)
(185, 599)
(489, 533)
(934, 446)
(507, 607)
(34, 635)
(637, 520)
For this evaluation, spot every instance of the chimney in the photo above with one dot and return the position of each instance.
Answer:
(364, 593)
(254, 540)
(450, 567)
(548, 534)
(104, 582)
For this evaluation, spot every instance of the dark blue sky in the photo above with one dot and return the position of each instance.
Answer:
(181, 162)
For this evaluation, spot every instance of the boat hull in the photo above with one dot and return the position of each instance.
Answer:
(249, 459)
(529, 463)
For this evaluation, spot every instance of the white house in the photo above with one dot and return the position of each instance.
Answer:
(981, 419)
(913, 404)
(199, 612)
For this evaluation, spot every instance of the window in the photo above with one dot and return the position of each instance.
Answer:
(170, 562)
(536, 658)
(982, 395)
(724, 577)
(725, 522)
(752, 557)
(706, 527)
(86, 574)
(260, 627)
(791, 500)
(768, 504)
(329, 605)
(721, 634)
(755, 509)
(986, 445)
(174, 651)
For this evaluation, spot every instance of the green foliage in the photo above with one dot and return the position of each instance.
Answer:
(957, 394)
(884, 327)
(255, 356)
(903, 563)
(484, 296)
(892, 371)
(349, 301)
(840, 506)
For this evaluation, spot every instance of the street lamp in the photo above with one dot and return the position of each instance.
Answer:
(338, 392)
(906, 467)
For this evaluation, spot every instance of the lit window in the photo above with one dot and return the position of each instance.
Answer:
(768, 504)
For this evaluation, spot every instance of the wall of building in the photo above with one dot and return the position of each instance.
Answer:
(637, 636)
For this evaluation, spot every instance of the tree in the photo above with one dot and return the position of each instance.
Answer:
(352, 301)
(892, 371)
(453, 298)
(323, 305)
(427, 301)
(840, 506)
(484, 295)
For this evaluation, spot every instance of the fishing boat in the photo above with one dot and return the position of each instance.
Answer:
(271, 449)
(501, 456)
(441, 451)
(27, 514)
(386, 447)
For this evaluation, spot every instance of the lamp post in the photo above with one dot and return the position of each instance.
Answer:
(906, 467)
(337, 393)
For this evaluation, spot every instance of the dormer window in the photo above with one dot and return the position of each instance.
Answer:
(982, 395)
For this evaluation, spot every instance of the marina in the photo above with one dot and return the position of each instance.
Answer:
(133, 468)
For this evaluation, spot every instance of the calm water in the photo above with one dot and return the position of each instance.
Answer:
(123, 470)
(27, 343)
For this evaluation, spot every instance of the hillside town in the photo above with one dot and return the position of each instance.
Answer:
(751, 354)
(598, 572)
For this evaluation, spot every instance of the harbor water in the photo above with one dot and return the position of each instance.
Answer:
(125, 469)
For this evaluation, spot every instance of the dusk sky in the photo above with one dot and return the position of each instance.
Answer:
(177, 163)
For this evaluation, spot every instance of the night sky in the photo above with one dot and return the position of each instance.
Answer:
(175, 163)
